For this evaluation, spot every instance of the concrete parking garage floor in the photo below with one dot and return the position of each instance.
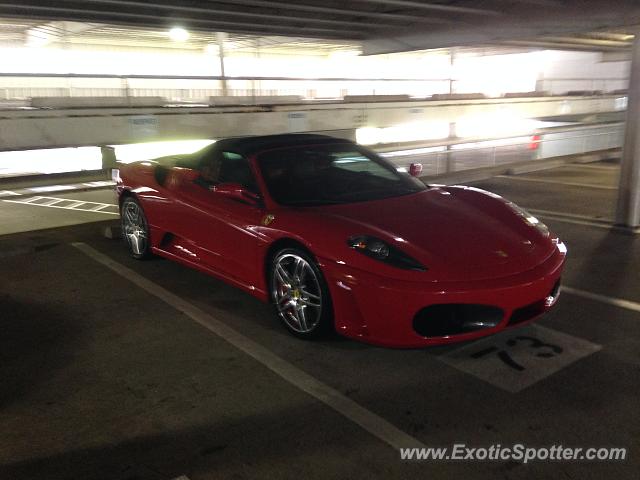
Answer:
(102, 379)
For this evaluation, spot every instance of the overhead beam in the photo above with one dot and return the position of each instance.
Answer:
(543, 43)
(541, 3)
(54, 31)
(20, 11)
(219, 11)
(589, 41)
(339, 11)
(437, 7)
(245, 30)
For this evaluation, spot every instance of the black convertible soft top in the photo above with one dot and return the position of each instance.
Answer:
(250, 145)
(246, 146)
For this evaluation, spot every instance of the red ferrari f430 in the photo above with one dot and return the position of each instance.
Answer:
(338, 239)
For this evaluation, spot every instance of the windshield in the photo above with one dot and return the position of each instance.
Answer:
(332, 174)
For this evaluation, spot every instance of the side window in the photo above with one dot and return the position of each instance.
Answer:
(355, 162)
(210, 167)
(235, 168)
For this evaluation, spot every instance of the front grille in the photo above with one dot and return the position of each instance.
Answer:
(455, 319)
(527, 312)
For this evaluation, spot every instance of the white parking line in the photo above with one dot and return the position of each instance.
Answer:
(371, 422)
(29, 200)
(575, 216)
(578, 222)
(75, 187)
(101, 207)
(106, 183)
(573, 219)
(51, 202)
(557, 182)
(52, 188)
(76, 205)
(616, 302)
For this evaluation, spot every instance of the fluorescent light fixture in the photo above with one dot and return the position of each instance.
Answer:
(211, 49)
(408, 132)
(413, 152)
(494, 125)
(37, 38)
(179, 34)
(368, 135)
(50, 160)
(146, 151)
(502, 142)
(344, 54)
(52, 188)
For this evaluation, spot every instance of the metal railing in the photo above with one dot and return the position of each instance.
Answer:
(197, 89)
(544, 144)
(190, 89)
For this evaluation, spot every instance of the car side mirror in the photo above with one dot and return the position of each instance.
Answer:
(237, 192)
(415, 169)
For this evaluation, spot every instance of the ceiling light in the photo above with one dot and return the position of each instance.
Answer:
(178, 34)
(37, 38)
(212, 49)
(344, 54)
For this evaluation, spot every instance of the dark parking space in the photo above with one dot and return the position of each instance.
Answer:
(104, 381)
(597, 175)
(565, 191)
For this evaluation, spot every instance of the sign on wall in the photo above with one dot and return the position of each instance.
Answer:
(144, 126)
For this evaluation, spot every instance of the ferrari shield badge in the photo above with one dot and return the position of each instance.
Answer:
(268, 219)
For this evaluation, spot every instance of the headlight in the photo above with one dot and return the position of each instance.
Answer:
(529, 219)
(378, 249)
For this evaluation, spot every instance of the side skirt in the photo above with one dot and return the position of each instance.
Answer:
(250, 289)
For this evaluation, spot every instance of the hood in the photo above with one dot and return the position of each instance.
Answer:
(458, 233)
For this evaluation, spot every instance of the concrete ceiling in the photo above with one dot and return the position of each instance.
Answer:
(15, 32)
(380, 26)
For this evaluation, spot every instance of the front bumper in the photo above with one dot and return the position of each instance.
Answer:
(382, 311)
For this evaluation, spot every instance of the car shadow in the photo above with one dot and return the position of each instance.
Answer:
(32, 345)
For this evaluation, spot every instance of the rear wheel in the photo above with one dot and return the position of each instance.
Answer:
(300, 294)
(135, 228)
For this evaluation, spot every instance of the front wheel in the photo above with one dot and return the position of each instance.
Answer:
(135, 228)
(300, 294)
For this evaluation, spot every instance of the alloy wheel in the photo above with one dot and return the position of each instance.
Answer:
(134, 227)
(297, 293)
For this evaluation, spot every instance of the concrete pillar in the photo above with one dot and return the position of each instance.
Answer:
(628, 210)
(452, 62)
(108, 157)
(221, 38)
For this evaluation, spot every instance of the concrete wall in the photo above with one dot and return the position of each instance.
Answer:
(78, 127)
(566, 71)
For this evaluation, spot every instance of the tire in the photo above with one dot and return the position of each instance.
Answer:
(300, 294)
(135, 229)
